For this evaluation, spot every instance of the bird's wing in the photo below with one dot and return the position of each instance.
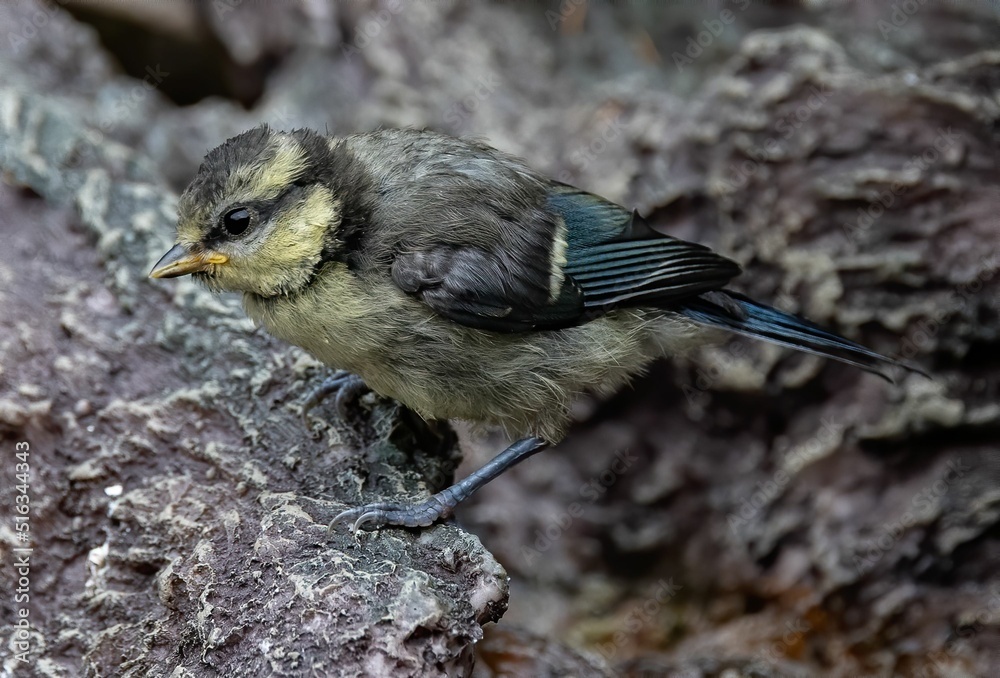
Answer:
(605, 258)
(481, 289)
(618, 260)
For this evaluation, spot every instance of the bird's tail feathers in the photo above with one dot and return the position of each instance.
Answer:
(736, 313)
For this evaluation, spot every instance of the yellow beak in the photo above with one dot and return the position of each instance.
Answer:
(182, 261)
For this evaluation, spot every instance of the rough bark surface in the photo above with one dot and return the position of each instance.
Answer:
(746, 513)
(179, 503)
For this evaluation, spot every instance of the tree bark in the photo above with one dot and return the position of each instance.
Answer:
(745, 512)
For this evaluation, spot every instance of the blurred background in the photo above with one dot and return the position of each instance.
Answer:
(747, 512)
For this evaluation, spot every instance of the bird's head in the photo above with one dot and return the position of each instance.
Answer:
(259, 215)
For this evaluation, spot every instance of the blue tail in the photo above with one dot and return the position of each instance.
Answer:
(737, 313)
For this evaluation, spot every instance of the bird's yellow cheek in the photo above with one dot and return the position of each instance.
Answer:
(280, 259)
(286, 260)
(301, 231)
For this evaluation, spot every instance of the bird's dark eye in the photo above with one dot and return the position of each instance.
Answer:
(236, 221)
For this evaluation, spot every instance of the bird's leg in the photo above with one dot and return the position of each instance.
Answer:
(346, 387)
(443, 503)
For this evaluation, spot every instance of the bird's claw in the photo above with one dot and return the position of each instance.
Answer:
(344, 386)
(384, 514)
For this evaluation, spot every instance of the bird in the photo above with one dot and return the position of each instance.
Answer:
(450, 276)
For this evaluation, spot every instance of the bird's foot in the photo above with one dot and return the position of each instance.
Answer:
(344, 386)
(375, 516)
(444, 502)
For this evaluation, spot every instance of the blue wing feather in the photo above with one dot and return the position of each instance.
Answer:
(616, 259)
(590, 220)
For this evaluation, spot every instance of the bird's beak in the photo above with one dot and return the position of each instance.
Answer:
(182, 261)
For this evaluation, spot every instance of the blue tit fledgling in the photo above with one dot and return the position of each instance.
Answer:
(457, 280)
